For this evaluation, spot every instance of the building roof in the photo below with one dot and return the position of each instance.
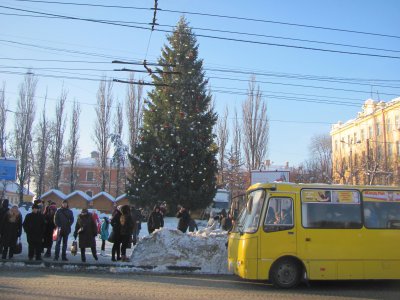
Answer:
(13, 187)
(120, 197)
(54, 191)
(105, 194)
(80, 193)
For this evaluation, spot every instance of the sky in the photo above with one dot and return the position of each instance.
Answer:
(306, 90)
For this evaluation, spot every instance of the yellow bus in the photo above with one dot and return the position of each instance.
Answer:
(292, 232)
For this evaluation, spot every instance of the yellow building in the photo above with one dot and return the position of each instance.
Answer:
(366, 150)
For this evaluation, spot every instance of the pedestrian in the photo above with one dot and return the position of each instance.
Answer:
(34, 226)
(137, 222)
(116, 228)
(49, 214)
(192, 225)
(63, 220)
(96, 219)
(104, 234)
(163, 208)
(126, 231)
(156, 220)
(184, 219)
(226, 222)
(86, 228)
(3, 210)
(11, 229)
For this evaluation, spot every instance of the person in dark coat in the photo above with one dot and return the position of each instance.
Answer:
(63, 220)
(192, 225)
(86, 228)
(156, 220)
(116, 228)
(184, 219)
(49, 214)
(34, 226)
(137, 222)
(226, 222)
(11, 229)
(3, 210)
(126, 231)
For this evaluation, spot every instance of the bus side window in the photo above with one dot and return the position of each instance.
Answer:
(279, 214)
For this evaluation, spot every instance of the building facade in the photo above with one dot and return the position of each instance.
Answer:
(366, 150)
(88, 177)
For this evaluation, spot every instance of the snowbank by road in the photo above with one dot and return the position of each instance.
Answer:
(204, 250)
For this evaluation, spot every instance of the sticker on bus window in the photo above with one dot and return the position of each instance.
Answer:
(316, 196)
(381, 196)
(346, 197)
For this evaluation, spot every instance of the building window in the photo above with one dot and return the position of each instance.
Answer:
(370, 132)
(362, 135)
(89, 176)
(348, 139)
(336, 143)
(388, 126)
(355, 138)
(397, 122)
(378, 129)
(89, 193)
(390, 150)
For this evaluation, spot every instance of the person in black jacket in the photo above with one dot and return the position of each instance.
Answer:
(184, 219)
(116, 232)
(11, 229)
(86, 227)
(126, 231)
(63, 220)
(3, 210)
(49, 213)
(156, 220)
(34, 226)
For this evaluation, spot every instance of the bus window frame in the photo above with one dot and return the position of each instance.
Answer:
(331, 203)
(243, 227)
(278, 227)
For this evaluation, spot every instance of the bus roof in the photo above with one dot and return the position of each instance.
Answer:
(290, 186)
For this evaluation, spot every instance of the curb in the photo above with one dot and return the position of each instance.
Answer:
(91, 266)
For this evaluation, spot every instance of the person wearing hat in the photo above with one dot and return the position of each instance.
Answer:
(156, 220)
(3, 210)
(34, 226)
(63, 219)
(11, 229)
(86, 228)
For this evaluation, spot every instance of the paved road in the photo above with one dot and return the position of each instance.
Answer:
(30, 283)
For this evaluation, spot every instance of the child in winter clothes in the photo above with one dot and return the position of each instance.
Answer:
(104, 235)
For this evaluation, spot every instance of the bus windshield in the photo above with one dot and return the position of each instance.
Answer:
(250, 217)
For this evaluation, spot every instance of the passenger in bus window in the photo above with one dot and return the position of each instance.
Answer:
(370, 216)
(270, 216)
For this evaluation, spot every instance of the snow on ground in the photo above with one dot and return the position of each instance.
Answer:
(166, 250)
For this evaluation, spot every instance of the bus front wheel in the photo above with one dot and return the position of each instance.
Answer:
(286, 273)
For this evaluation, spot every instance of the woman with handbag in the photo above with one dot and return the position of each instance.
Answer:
(86, 228)
(11, 229)
(126, 222)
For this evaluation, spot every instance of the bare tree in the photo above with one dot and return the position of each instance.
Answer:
(321, 157)
(235, 177)
(222, 141)
(119, 153)
(102, 128)
(24, 118)
(256, 127)
(3, 119)
(56, 148)
(42, 145)
(134, 112)
(72, 149)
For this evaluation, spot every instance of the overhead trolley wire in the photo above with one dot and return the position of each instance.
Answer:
(217, 37)
(218, 16)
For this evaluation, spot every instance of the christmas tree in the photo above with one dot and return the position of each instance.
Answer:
(175, 159)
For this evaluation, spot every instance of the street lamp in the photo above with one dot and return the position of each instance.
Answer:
(350, 144)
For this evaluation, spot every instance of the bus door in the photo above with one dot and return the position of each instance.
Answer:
(277, 231)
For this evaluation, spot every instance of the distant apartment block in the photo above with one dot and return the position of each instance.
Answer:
(366, 149)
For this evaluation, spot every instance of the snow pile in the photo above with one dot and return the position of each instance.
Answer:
(204, 251)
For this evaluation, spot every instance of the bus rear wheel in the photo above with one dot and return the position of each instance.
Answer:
(286, 273)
